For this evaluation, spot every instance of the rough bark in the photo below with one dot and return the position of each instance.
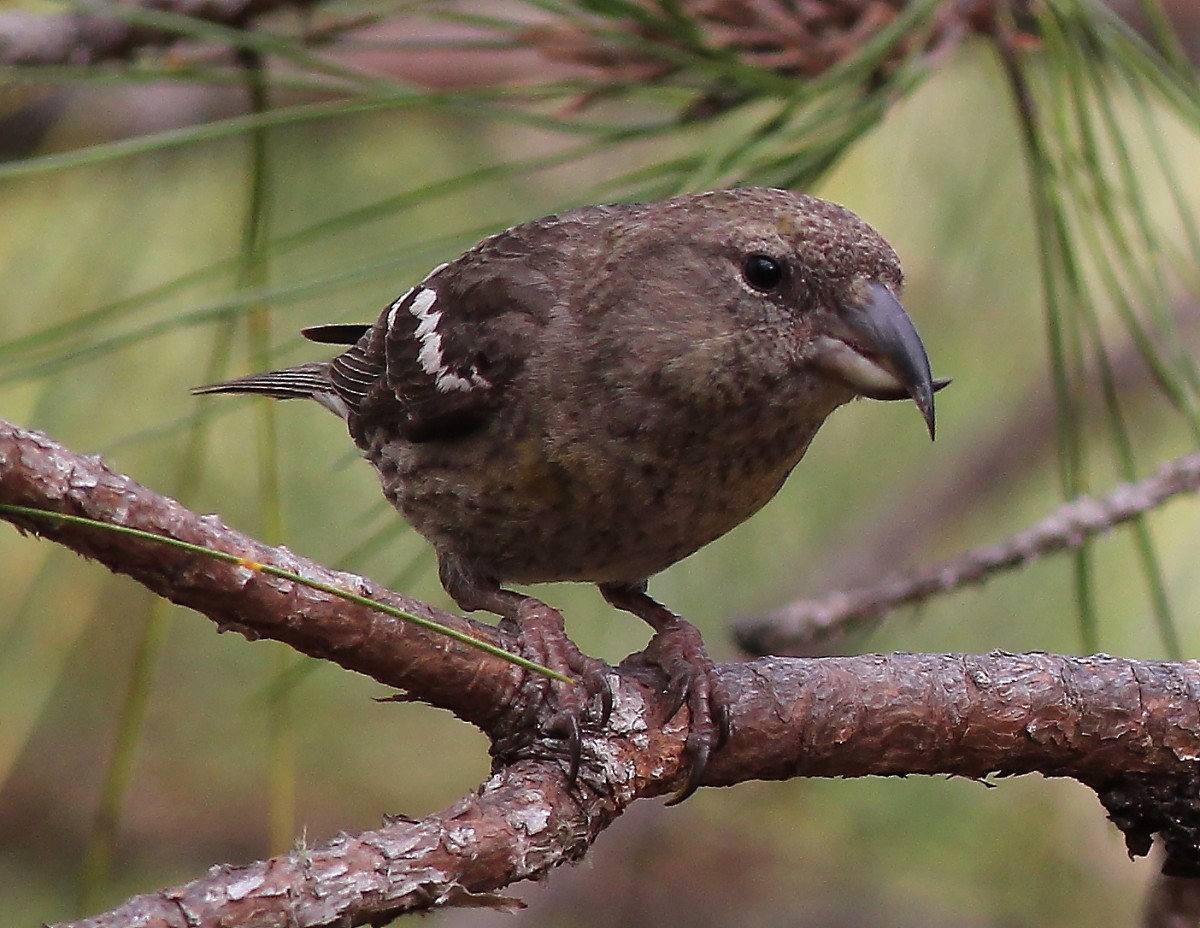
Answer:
(1129, 729)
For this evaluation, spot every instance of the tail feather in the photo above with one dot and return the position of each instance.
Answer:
(338, 333)
(306, 381)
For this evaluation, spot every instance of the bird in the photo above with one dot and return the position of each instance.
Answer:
(594, 395)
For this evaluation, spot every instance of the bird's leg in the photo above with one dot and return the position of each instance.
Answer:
(543, 639)
(678, 650)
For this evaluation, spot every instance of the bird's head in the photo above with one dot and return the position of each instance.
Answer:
(818, 287)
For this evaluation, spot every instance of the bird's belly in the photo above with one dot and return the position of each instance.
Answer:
(620, 513)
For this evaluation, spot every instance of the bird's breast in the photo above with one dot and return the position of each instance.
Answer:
(600, 495)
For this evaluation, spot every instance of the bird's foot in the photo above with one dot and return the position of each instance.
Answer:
(551, 708)
(678, 651)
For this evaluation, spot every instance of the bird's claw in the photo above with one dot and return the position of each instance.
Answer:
(696, 752)
(678, 650)
(709, 730)
(543, 640)
(566, 728)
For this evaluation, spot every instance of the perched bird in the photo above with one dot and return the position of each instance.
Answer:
(595, 395)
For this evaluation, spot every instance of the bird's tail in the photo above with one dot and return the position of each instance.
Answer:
(292, 383)
(305, 381)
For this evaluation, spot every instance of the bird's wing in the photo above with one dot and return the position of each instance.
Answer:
(444, 355)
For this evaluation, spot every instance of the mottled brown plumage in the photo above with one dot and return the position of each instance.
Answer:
(595, 395)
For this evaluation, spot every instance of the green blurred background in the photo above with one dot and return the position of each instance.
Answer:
(942, 176)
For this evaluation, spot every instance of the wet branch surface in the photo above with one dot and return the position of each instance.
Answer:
(1128, 729)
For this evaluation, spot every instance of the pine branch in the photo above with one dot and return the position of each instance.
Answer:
(1128, 729)
(799, 625)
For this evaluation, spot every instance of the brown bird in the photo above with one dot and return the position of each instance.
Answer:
(595, 395)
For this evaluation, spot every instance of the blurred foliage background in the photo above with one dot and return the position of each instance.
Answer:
(178, 215)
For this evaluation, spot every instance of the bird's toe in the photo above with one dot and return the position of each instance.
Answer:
(546, 710)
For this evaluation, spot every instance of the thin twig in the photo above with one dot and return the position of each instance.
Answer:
(798, 625)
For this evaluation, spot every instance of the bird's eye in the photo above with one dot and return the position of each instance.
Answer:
(762, 272)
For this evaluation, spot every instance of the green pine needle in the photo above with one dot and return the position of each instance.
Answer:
(271, 570)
